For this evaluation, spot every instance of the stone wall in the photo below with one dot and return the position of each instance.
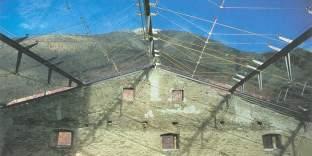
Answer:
(5, 124)
(208, 121)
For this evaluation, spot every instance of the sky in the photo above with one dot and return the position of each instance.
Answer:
(266, 18)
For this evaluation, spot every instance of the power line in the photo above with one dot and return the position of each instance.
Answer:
(213, 3)
(229, 34)
(220, 24)
(242, 137)
(210, 112)
(220, 34)
(201, 73)
(200, 46)
(80, 23)
(221, 58)
(181, 27)
(260, 8)
(217, 57)
(82, 19)
(222, 6)
(180, 64)
(4, 29)
(76, 24)
(195, 25)
(235, 113)
(205, 46)
(243, 65)
(142, 19)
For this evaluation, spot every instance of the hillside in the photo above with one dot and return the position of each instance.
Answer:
(92, 58)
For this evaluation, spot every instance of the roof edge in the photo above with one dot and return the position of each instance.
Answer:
(196, 80)
(86, 84)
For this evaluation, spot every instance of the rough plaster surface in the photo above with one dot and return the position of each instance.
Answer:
(186, 110)
(154, 81)
(86, 111)
(5, 124)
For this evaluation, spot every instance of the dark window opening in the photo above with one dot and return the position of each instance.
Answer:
(222, 122)
(272, 141)
(170, 141)
(144, 124)
(128, 94)
(109, 122)
(175, 123)
(259, 123)
(177, 95)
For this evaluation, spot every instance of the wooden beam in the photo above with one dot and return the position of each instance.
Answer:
(70, 83)
(49, 76)
(32, 45)
(36, 57)
(18, 61)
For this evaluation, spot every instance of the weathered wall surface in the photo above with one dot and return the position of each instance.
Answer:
(5, 124)
(210, 122)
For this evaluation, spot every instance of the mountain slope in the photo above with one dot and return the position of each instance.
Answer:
(95, 57)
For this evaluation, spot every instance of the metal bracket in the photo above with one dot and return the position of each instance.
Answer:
(288, 67)
(286, 93)
(18, 61)
(49, 76)
(303, 89)
(32, 45)
(222, 4)
(282, 53)
(260, 81)
(309, 10)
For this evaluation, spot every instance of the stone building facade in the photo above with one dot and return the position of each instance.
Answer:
(153, 112)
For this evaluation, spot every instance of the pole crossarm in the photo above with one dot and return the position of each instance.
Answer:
(148, 19)
(150, 32)
(25, 50)
(284, 52)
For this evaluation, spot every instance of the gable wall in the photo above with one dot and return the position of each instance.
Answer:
(86, 111)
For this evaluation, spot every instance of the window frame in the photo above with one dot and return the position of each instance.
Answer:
(272, 141)
(126, 99)
(174, 141)
(56, 138)
(173, 95)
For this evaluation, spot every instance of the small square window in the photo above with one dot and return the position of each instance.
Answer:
(128, 94)
(64, 138)
(177, 95)
(272, 141)
(170, 141)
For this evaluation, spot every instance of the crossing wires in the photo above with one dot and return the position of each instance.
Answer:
(224, 5)
(82, 18)
(206, 43)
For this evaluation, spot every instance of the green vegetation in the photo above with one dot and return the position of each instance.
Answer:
(96, 57)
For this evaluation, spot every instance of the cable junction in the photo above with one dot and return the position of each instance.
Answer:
(206, 43)
(220, 24)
